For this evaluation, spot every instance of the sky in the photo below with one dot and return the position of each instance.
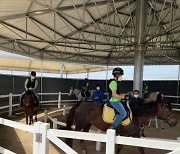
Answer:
(153, 72)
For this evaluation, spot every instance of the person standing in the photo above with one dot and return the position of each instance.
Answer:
(136, 103)
(98, 95)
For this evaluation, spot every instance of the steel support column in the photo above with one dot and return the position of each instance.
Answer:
(61, 69)
(140, 47)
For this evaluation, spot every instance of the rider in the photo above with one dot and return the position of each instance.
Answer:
(145, 88)
(85, 90)
(30, 84)
(136, 102)
(115, 97)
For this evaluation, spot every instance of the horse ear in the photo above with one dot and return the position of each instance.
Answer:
(159, 96)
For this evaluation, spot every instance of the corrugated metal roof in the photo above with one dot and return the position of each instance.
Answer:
(18, 64)
(89, 31)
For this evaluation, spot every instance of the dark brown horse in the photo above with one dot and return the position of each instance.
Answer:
(29, 107)
(87, 113)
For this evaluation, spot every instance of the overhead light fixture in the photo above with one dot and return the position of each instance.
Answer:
(38, 12)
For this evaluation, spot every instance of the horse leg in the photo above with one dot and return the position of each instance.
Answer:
(118, 148)
(69, 141)
(26, 119)
(36, 117)
(141, 150)
(86, 129)
(30, 119)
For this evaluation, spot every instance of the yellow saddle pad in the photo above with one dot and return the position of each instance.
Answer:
(109, 116)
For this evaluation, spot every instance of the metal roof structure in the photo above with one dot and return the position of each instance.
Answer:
(101, 32)
(19, 64)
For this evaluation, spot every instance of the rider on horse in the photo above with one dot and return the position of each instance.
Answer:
(115, 97)
(30, 84)
(85, 90)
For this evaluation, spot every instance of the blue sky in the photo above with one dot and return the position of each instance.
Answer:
(160, 72)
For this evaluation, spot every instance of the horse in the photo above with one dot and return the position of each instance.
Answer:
(77, 93)
(29, 107)
(86, 114)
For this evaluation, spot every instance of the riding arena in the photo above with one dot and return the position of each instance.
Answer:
(70, 69)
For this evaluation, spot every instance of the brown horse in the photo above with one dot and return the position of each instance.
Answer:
(87, 113)
(29, 107)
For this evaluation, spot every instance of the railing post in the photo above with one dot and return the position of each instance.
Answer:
(36, 138)
(40, 140)
(45, 116)
(64, 110)
(110, 141)
(44, 149)
(54, 123)
(98, 144)
(10, 104)
(59, 100)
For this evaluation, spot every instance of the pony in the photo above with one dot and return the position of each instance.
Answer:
(86, 114)
(77, 93)
(29, 107)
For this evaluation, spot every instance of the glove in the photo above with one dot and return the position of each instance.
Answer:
(126, 97)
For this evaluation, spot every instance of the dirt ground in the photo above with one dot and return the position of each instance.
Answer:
(20, 141)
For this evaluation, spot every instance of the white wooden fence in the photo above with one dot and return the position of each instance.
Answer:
(42, 134)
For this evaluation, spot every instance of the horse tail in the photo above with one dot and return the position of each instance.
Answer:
(70, 117)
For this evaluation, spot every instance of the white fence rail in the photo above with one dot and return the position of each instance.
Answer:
(5, 151)
(59, 100)
(42, 134)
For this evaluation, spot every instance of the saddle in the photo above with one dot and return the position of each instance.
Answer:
(109, 114)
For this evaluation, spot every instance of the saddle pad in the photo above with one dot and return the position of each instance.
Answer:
(109, 115)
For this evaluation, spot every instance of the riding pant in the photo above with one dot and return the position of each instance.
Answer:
(121, 114)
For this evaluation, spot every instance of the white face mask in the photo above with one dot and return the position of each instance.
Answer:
(32, 77)
(136, 96)
(120, 78)
(98, 88)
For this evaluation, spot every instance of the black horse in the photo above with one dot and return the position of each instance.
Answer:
(87, 113)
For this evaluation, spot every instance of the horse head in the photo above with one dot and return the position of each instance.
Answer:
(71, 91)
(165, 111)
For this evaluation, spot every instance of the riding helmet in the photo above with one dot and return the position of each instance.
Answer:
(117, 71)
(33, 73)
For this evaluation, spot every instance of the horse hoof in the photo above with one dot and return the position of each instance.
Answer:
(84, 152)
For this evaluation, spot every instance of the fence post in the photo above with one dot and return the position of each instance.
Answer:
(59, 100)
(110, 141)
(54, 123)
(40, 140)
(44, 146)
(64, 111)
(10, 104)
(36, 138)
(98, 144)
(45, 116)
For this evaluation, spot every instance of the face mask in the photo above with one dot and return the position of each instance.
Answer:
(136, 96)
(32, 77)
(98, 88)
(120, 78)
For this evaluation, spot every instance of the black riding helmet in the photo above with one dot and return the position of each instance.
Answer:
(33, 73)
(117, 71)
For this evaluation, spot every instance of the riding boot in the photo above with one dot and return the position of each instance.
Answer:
(21, 104)
(37, 102)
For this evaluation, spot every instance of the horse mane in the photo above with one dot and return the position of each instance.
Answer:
(29, 92)
(144, 109)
